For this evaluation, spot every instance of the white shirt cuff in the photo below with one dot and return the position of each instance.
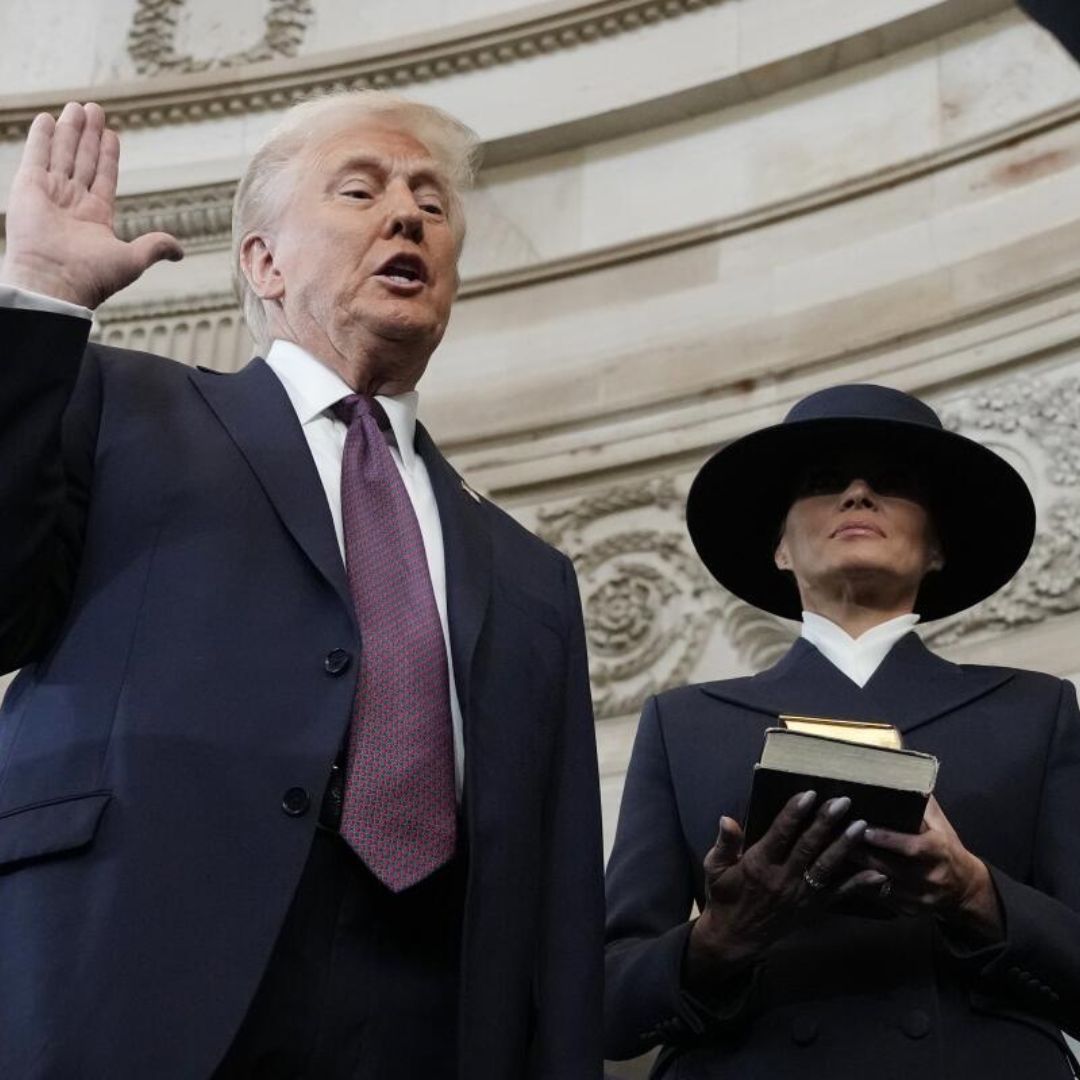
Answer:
(13, 297)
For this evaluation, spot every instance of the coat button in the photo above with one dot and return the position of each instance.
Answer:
(804, 1030)
(295, 802)
(916, 1024)
(337, 662)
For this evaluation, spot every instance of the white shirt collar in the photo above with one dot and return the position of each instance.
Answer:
(313, 388)
(858, 658)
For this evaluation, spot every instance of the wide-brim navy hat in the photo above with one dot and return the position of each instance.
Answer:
(980, 506)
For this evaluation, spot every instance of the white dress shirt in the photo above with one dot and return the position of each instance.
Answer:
(12, 297)
(312, 389)
(858, 658)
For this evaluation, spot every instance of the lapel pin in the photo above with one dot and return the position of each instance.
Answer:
(469, 491)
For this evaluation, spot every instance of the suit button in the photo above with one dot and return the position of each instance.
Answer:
(295, 802)
(804, 1030)
(916, 1024)
(337, 662)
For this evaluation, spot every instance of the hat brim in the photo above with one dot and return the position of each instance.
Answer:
(981, 508)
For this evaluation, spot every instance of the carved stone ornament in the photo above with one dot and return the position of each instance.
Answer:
(1039, 417)
(152, 37)
(650, 607)
(1048, 585)
(153, 33)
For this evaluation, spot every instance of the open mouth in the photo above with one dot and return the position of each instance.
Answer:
(403, 270)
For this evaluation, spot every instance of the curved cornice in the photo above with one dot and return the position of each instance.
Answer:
(421, 58)
(200, 217)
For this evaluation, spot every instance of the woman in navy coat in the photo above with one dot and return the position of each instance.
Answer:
(831, 948)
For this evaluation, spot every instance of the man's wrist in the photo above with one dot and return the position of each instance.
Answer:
(19, 298)
(31, 278)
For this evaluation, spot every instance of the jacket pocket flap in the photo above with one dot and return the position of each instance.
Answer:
(32, 832)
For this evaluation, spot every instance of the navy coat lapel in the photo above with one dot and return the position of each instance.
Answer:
(914, 686)
(802, 682)
(253, 407)
(467, 547)
(910, 688)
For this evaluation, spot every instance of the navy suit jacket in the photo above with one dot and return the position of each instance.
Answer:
(848, 996)
(171, 584)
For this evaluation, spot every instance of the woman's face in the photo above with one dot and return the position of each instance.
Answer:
(859, 531)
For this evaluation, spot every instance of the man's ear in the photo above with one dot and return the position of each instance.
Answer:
(782, 557)
(258, 266)
(935, 559)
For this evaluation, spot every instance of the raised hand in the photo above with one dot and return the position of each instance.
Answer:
(60, 236)
(755, 897)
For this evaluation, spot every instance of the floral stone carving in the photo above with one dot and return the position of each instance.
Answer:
(152, 37)
(650, 607)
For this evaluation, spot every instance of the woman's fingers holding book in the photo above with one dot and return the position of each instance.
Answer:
(933, 873)
(817, 836)
(864, 884)
(754, 895)
(727, 849)
(828, 872)
(787, 828)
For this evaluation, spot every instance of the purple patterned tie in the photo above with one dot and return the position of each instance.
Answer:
(400, 812)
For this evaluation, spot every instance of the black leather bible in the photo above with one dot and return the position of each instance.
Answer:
(889, 787)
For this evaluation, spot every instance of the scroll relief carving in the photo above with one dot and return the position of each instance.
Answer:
(1040, 418)
(650, 607)
(152, 37)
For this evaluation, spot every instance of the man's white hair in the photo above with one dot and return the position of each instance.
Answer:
(265, 187)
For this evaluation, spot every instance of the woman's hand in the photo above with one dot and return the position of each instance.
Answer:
(932, 873)
(755, 897)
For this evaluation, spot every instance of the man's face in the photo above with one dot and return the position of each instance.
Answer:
(857, 526)
(364, 254)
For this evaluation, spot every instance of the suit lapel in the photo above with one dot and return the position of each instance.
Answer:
(803, 682)
(910, 688)
(467, 547)
(255, 410)
(914, 686)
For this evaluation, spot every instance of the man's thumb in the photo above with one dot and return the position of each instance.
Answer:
(153, 247)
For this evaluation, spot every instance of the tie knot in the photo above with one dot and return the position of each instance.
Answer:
(355, 407)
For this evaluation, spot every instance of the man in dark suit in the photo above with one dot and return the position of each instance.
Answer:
(831, 948)
(298, 778)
